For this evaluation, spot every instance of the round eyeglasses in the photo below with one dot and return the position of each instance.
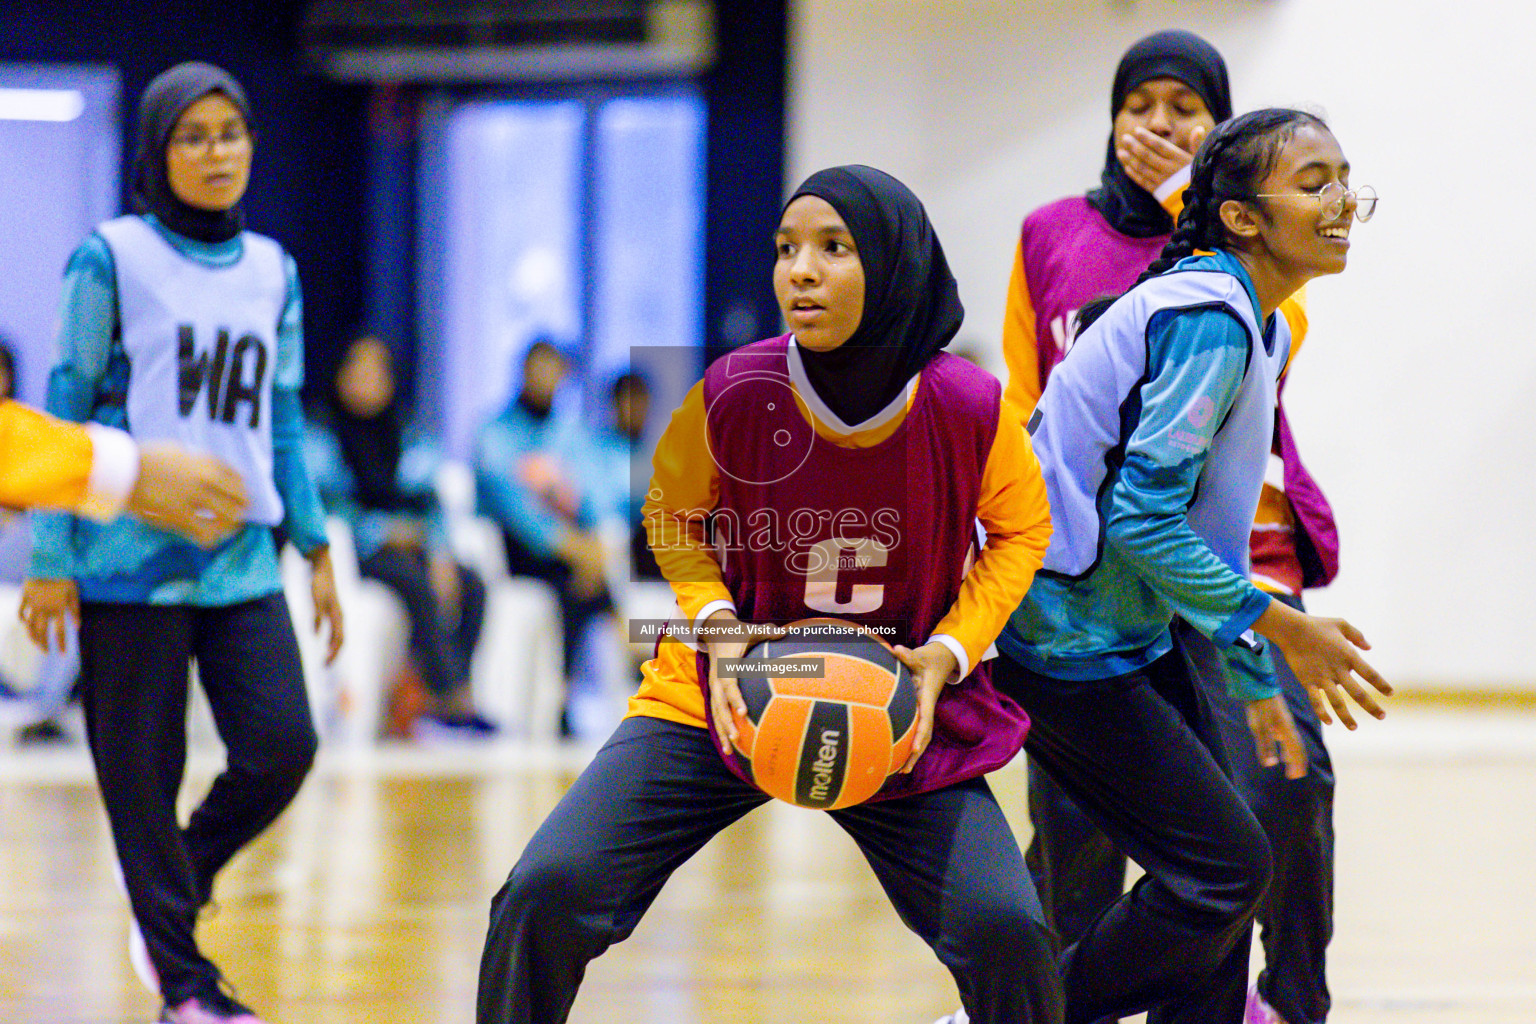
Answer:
(1333, 196)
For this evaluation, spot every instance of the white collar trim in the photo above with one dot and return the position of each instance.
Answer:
(824, 413)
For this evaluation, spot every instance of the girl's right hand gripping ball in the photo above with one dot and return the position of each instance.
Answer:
(829, 738)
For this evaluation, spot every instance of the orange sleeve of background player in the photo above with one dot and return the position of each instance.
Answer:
(1019, 351)
(1294, 309)
(49, 463)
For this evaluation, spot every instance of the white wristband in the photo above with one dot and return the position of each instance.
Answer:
(1176, 182)
(690, 636)
(114, 472)
(962, 660)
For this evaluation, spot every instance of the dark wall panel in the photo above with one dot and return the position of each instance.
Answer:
(746, 95)
(306, 185)
(311, 163)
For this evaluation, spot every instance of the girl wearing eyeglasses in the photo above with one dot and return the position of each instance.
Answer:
(1154, 436)
(177, 324)
(1169, 91)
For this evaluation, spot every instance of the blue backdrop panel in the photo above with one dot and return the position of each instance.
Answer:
(501, 192)
(648, 200)
(58, 179)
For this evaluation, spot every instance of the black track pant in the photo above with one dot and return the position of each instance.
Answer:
(658, 791)
(1079, 872)
(134, 673)
(1130, 752)
(575, 612)
(443, 650)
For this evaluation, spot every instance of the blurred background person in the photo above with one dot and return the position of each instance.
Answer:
(621, 473)
(533, 473)
(377, 476)
(623, 469)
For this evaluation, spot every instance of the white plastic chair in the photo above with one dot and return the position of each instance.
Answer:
(516, 677)
(347, 697)
(19, 656)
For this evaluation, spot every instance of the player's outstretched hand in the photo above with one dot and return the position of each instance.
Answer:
(1325, 656)
(734, 639)
(190, 493)
(1270, 722)
(322, 588)
(932, 665)
(1149, 159)
(48, 607)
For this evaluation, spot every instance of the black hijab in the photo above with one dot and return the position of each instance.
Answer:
(911, 302)
(371, 448)
(162, 104)
(1174, 53)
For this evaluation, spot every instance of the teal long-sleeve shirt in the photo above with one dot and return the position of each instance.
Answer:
(372, 528)
(1154, 566)
(128, 561)
(509, 487)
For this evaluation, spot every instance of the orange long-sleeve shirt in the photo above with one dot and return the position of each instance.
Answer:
(1013, 509)
(48, 463)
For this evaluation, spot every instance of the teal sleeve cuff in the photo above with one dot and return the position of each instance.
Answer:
(1250, 675)
(1254, 605)
(289, 371)
(304, 516)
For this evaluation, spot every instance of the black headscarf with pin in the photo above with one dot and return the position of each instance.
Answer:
(911, 302)
(1174, 53)
(164, 101)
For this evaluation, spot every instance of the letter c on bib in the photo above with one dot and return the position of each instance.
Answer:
(829, 558)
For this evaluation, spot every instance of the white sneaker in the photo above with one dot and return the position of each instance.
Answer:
(138, 957)
(138, 952)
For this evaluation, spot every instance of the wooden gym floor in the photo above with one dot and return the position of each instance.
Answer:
(366, 904)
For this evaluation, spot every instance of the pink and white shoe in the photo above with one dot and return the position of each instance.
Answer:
(1259, 1011)
(215, 1009)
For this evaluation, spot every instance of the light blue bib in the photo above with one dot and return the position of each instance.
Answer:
(202, 343)
(1077, 428)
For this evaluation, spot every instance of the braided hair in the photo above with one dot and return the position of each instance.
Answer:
(1231, 164)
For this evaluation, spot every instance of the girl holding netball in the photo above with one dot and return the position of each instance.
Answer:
(854, 434)
(1153, 435)
(1169, 91)
(178, 324)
